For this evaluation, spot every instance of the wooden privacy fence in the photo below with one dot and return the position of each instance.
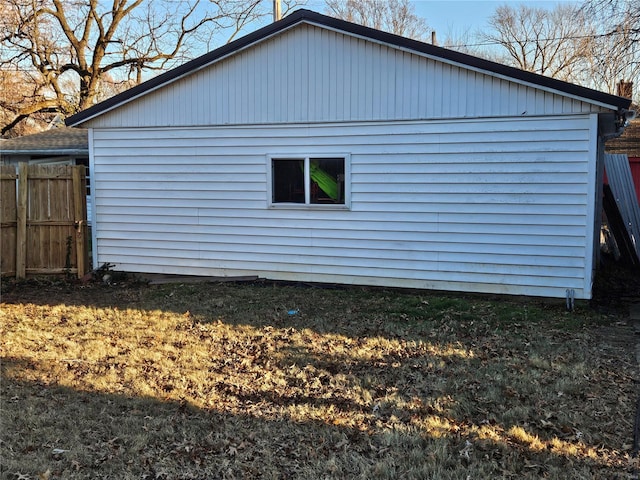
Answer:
(43, 217)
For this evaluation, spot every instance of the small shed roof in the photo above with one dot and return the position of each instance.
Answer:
(57, 141)
(306, 16)
(628, 142)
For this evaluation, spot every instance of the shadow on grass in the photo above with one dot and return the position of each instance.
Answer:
(79, 434)
(83, 434)
(326, 309)
(363, 383)
(72, 433)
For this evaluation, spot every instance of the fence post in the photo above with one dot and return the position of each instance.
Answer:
(21, 228)
(78, 199)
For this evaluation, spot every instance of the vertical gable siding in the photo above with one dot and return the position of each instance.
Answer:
(491, 206)
(311, 74)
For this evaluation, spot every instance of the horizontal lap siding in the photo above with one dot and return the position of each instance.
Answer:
(493, 206)
(311, 74)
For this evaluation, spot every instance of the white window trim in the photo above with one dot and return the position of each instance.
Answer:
(308, 205)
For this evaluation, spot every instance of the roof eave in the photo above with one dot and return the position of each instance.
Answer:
(63, 152)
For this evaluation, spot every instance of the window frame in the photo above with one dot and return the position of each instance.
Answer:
(307, 205)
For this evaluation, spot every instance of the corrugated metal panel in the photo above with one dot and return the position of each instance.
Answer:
(491, 206)
(621, 183)
(312, 74)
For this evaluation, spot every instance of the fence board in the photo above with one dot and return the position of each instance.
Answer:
(8, 220)
(45, 230)
(21, 232)
(80, 217)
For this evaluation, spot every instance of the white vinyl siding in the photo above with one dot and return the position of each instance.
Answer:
(492, 205)
(311, 74)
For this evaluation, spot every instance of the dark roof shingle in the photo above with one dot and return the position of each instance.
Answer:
(64, 140)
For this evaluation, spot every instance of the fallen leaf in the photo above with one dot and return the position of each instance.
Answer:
(466, 450)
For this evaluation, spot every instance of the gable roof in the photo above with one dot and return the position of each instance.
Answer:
(314, 18)
(58, 141)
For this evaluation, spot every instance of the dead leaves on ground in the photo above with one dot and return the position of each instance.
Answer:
(374, 385)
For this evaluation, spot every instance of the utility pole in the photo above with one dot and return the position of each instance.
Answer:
(277, 11)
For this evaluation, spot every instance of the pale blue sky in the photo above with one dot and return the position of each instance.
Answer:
(455, 18)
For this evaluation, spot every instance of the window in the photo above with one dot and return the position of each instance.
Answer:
(309, 181)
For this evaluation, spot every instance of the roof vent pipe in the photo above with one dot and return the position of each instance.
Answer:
(277, 10)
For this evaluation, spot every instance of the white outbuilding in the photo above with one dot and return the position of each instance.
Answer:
(318, 150)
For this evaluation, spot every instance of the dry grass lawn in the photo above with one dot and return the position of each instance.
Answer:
(248, 381)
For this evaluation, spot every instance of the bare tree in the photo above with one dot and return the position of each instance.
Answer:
(616, 14)
(68, 49)
(548, 42)
(394, 16)
(616, 46)
(16, 89)
(614, 57)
